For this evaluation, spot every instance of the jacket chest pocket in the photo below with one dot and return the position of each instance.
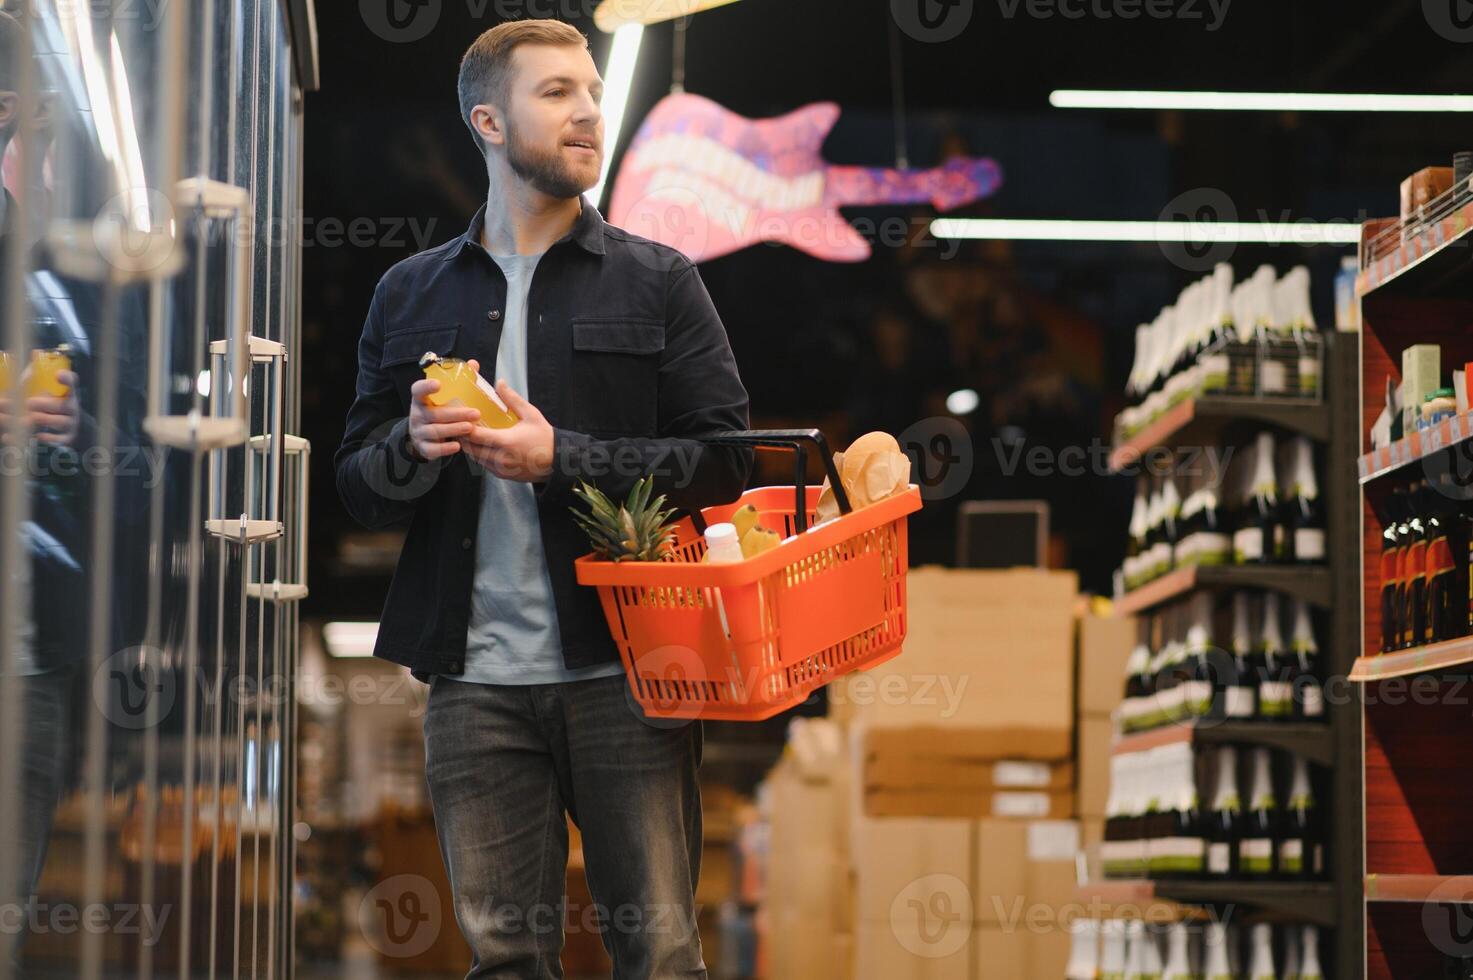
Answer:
(616, 374)
(403, 349)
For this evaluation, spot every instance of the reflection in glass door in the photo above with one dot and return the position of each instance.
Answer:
(152, 486)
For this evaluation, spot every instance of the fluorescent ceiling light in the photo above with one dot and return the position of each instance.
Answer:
(618, 80)
(1197, 232)
(613, 14)
(1259, 101)
(349, 640)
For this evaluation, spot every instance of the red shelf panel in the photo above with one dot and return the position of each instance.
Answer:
(1404, 663)
(1418, 445)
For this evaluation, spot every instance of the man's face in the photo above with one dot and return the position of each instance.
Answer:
(554, 126)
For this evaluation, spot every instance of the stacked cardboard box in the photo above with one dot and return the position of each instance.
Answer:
(975, 719)
(942, 899)
(1104, 647)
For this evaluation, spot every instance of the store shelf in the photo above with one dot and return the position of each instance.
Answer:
(1425, 263)
(1417, 446)
(1418, 660)
(1196, 420)
(1308, 582)
(1311, 902)
(1419, 888)
(1313, 741)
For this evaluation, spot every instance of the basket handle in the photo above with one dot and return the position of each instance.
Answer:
(793, 439)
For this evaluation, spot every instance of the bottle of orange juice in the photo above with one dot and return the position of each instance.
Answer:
(459, 385)
(46, 364)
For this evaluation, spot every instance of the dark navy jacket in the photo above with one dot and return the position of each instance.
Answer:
(627, 359)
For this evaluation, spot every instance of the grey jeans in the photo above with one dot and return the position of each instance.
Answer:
(506, 765)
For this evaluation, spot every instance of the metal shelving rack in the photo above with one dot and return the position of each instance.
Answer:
(1415, 286)
(1335, 423)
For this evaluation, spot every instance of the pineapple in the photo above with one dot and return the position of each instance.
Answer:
(639, 530)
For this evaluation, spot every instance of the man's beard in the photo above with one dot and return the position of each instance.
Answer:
(548, 172)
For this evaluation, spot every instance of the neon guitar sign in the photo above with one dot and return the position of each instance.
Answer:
(709, 182)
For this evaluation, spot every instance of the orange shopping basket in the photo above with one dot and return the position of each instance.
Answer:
(746, 640)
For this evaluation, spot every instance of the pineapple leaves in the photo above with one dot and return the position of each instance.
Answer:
(638, 530)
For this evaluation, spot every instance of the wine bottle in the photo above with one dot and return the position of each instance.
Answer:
(1224, 818)
(1439, 621)
(1113, 838)
(1309, 954)
(1289, 939)
(1301, 846)
(1256, 540)
(1112, 949)
(1414, 575)
(1151, 568)
(1309, 693)
(1137, 684)
(1275, 690)
(1170, 515)
(1391, 581)
(1174, 672)
(1260, 821)
(1154, 817)
(1136, 547)
(1084, 949)
(1197, 673)
(1401, 507)
(1142, 956)
(1261, 959)
(1178, 953)
(1241, 690)
(1181, 849)
(1216, 964)
(1304, 520)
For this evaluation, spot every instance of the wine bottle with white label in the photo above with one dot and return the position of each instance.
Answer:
(1256, 848)
(1181, 849)
(1301, 844)
(1275, 688)
(1304, 512)
(1309, 954)
(1304, 663)
(1257, 538)
(1216, 964)
(1133, 568)
(1197, 673)
(1178, 953)
(1112, 949)
(1224, 819)
(1084, 949)
(1240, 691)
(1261, 958)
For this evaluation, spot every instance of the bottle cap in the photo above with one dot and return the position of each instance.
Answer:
(427, 358)
(722, 543)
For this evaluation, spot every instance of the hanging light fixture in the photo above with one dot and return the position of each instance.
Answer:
(614, 14)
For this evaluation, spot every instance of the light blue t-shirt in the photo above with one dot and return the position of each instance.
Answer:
(513, 633)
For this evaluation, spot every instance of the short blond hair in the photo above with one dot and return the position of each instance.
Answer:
(485, 71)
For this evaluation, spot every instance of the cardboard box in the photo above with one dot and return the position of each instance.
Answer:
(896, 770)
(1001, 871)
(1096, 735)
(961, 802)
(1421, 375)
(985, 649)
(1423, 187)
(1104, 647)
(1001, 954)
(895, 859)
(907, 951)
(986, 744)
